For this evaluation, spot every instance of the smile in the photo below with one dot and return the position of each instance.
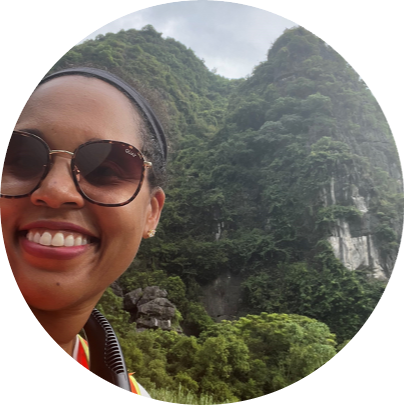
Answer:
(48, 237)
(55, 244)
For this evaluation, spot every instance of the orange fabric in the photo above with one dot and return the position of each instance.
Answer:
(83, 377)
(134, 385)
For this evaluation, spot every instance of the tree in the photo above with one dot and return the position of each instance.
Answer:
(285, 348)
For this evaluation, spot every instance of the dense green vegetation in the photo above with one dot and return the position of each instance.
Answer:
(251, 167)
(229, 361)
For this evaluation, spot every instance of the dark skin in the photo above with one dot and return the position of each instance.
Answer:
(69, 111)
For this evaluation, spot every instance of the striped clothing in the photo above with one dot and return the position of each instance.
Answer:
(81, 377)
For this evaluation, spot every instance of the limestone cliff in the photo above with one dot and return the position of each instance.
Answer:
(353, 241)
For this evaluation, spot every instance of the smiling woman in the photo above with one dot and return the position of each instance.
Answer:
(79, 192)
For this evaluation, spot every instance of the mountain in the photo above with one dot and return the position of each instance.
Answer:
(285, 191)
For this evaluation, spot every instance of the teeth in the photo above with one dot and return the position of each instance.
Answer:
(78, 240)
(58, 239)
(37, 237)
(69, 240)
(46, 239)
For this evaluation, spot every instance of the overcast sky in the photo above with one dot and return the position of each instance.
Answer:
(234, 37)
(230, 37)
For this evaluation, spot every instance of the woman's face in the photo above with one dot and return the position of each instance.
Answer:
(67, 112)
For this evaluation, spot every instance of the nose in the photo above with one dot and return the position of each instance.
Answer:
(57, 189)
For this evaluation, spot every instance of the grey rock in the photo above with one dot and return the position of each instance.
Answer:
(155, 309)
(150, 309)
(222, 297)
(165, 325)
(131, 299)
(352, 239)
(149, 323)
(150, 293)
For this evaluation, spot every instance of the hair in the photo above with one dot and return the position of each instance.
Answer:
(157, 175)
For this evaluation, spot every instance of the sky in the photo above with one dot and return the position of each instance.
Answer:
(234, 36)
(231, 38)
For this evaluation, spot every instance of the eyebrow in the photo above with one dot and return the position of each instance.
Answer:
(40, 134)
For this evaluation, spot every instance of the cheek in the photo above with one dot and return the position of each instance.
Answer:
(121, 225)
(9, 210)
(120, 240)
(6, 208)
(122, 230)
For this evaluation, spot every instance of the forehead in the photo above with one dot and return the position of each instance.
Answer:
(75, 109)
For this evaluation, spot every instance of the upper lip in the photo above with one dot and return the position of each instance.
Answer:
(58, 225)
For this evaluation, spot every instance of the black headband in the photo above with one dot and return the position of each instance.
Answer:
(125, 88)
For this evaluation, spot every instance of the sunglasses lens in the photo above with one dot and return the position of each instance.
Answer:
(108, 172)
(24, 166)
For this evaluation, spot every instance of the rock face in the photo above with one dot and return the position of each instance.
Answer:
(150, 309)
(353, 240)
(222, 297)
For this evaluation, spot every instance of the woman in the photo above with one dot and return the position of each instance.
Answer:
(80, 189)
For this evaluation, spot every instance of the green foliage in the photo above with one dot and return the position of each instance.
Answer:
(184, 380)
(267, 351)
(301, 88)
(325, 291)
(249, 113)
(181, 356)
(333, 212)
(261, 171)
(136, 277)
(196, 318)
(182, 396)
(243, 359)
(316, 104)
(111, 307)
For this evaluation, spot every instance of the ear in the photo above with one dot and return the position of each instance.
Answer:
(156, 203)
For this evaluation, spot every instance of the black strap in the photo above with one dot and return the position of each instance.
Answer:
(124, 88)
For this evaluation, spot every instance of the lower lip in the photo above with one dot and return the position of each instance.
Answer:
(50, 252)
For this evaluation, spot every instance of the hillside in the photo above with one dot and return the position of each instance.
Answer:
(285, 194)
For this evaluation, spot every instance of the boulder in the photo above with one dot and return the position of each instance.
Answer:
(131, 299)
(160, 308)
(151, 293)
(150, 309)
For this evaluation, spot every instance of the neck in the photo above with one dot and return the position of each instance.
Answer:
(68, 347)
(62, 326)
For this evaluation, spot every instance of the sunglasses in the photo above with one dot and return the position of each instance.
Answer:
(106, 173)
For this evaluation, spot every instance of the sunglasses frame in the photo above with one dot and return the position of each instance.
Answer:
(75, 171)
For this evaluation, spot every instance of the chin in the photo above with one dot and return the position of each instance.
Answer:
(49, 305)
(49, 301)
